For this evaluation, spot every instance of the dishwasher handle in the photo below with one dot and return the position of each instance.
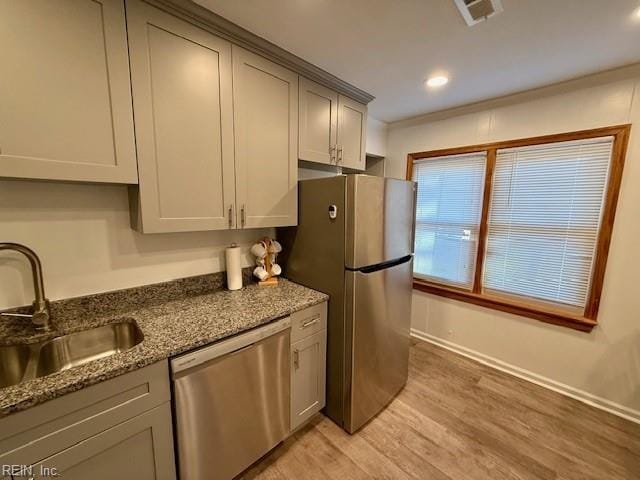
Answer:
(225, 347)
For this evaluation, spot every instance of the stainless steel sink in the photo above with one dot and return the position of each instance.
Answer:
(19, 363)
(75, 349)
(13, 363)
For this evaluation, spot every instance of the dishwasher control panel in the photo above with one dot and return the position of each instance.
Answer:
(229, 345)
(273, 328)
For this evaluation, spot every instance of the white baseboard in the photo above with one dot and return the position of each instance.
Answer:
(580, 395)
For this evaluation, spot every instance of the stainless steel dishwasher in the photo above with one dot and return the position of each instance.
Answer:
(232, 402)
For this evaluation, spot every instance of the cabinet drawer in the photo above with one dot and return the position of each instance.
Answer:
(308, 321)
(39, 432)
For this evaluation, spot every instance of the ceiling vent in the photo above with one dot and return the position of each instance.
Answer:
(476, 11)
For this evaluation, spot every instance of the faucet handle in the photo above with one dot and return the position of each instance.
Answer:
(22, 315)
(41, 320)
(40, 316)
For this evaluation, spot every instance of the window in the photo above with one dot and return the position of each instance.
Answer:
(544, 216)
(448, 217)
(522, 226)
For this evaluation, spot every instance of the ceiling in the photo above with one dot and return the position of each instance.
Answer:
(389, 47)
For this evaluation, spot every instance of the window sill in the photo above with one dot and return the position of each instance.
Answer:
(555, 317)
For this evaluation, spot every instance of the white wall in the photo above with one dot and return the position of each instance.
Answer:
(377, 137)
(81, 233)
(604, 364)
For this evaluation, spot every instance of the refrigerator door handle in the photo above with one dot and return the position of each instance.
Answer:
(383, 265)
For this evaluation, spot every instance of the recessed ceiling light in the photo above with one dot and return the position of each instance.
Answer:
(636, 13)
(437, 81)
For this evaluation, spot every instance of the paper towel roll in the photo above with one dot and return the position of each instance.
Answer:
(234, 267)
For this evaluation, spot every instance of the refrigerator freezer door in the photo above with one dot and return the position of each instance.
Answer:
(380, 219)
(378, 311)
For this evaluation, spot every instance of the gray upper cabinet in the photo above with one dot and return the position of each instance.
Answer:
(216, 129)
(66, 99)
(318, 123)
(182, 94)
(206, 132)
(333, 128)
(352, 133)
(265, 100)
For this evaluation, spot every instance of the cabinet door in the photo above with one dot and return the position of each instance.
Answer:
(318, 122)
(308, 377)
(66, 98)
(138, 449)
(181, 77)
(265, 104)
(352, 133)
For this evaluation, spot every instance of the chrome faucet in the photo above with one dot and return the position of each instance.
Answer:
(41, 316)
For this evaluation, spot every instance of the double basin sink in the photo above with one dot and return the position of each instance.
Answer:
(19, 363)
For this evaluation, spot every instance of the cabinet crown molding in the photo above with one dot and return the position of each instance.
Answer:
(228, 30)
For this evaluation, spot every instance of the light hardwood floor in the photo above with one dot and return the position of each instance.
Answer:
(458, 419)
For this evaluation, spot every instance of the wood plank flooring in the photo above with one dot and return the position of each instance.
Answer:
(458, 419)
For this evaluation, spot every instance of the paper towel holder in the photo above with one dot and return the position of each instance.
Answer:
(267, 270)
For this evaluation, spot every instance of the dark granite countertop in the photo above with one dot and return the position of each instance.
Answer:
(174, 317)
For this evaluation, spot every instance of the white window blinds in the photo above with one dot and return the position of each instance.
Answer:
(448, 213)
(544, 217)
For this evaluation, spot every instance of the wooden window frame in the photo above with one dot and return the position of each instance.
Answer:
(544, 311)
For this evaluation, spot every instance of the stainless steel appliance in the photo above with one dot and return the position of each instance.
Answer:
(232, 402)
(354, 241)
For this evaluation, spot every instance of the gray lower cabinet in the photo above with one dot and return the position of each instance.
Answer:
(308, 363)
(108, 455)
(120, 428)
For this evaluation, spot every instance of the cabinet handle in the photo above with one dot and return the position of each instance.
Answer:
(339, 155)
(332, 153)
(313, 321)
(230, 216)
(242, 216)
(296, 358)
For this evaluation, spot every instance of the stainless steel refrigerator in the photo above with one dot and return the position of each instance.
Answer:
(354, 241)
